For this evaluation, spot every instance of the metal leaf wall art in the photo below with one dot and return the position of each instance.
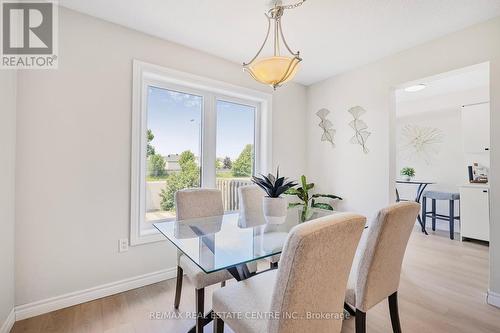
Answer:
(327, 126)
(420, 143)
(360, 128)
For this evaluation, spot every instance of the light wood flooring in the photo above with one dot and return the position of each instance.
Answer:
(443, 289)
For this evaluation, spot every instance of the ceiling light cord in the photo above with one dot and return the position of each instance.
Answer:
(295, 5)
(276, 13)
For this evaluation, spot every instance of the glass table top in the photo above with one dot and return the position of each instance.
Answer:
(220, 242)
(414, 181)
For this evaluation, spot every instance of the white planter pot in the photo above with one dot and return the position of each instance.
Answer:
(275, 209)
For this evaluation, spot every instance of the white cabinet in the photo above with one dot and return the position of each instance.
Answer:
(475, 212)
(476, 128)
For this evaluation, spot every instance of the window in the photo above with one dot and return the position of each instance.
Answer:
(189, 132)
(235, 149)
(173, 149)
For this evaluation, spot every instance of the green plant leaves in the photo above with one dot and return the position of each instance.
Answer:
(321, 205)
(303, 182)
(292, 191)
(274, 186)
(303, 194)
(407, 171)
(331, 196)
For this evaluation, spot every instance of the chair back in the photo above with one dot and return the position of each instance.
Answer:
(195, 203)
(313, 272)
(198, 202)
(381, 254)
(251, 213)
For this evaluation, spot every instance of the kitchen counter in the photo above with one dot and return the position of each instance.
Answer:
(475, 211)
(476, 185)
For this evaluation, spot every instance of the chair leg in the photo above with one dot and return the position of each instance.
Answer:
(393, 309)
(360, 321)
(178, 287)
(200, 309)
(424, 210)
(350, 310)
(452, 219)
(433, 214)
(218, 324)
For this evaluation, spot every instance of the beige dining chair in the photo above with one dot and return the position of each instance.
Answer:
(311, 279)
(250, 199)
(251, 211)
(191, 204)
(377, 265)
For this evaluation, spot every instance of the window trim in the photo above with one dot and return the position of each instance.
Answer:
(145, 74)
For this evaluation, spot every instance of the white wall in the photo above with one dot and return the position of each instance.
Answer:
(494, 178)
(73, 161)
(7, 190)
(447, 166)
(289, 134)
(366, 181)
(361, 179)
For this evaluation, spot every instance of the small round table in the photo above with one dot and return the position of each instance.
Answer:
(420, 191)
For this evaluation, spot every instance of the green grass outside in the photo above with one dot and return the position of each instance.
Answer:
(220, 174)
(155, 179)
(224, 174)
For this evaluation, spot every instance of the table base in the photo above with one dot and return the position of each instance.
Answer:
(418, 198)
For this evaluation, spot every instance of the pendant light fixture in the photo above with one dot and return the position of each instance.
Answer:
(277, 69)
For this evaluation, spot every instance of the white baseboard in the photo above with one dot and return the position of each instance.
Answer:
(55, 303)
(493, 299)
(9, 322)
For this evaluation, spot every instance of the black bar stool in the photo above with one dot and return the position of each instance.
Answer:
(437, 195)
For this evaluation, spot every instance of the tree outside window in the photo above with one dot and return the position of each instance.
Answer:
(242, 167)
(188, 176)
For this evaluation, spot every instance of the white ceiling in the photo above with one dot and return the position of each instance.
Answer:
(464, 79)
(446, 91)
(333, 36)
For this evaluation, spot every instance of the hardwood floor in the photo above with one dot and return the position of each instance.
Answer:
(443, 289)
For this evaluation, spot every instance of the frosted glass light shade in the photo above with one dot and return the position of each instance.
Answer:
(274, 71)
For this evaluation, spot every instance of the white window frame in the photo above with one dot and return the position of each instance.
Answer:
(144, 75)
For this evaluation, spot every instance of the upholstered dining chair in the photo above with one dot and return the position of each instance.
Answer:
(311, 278)
(250, 198)
(191, 204)
(376, 269)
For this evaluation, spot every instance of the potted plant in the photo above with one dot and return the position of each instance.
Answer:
(407, 173)
(274, 205)
(308, 201)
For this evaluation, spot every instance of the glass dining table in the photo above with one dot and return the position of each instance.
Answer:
(230, 241)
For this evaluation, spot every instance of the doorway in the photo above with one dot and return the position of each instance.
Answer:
(441, 137)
